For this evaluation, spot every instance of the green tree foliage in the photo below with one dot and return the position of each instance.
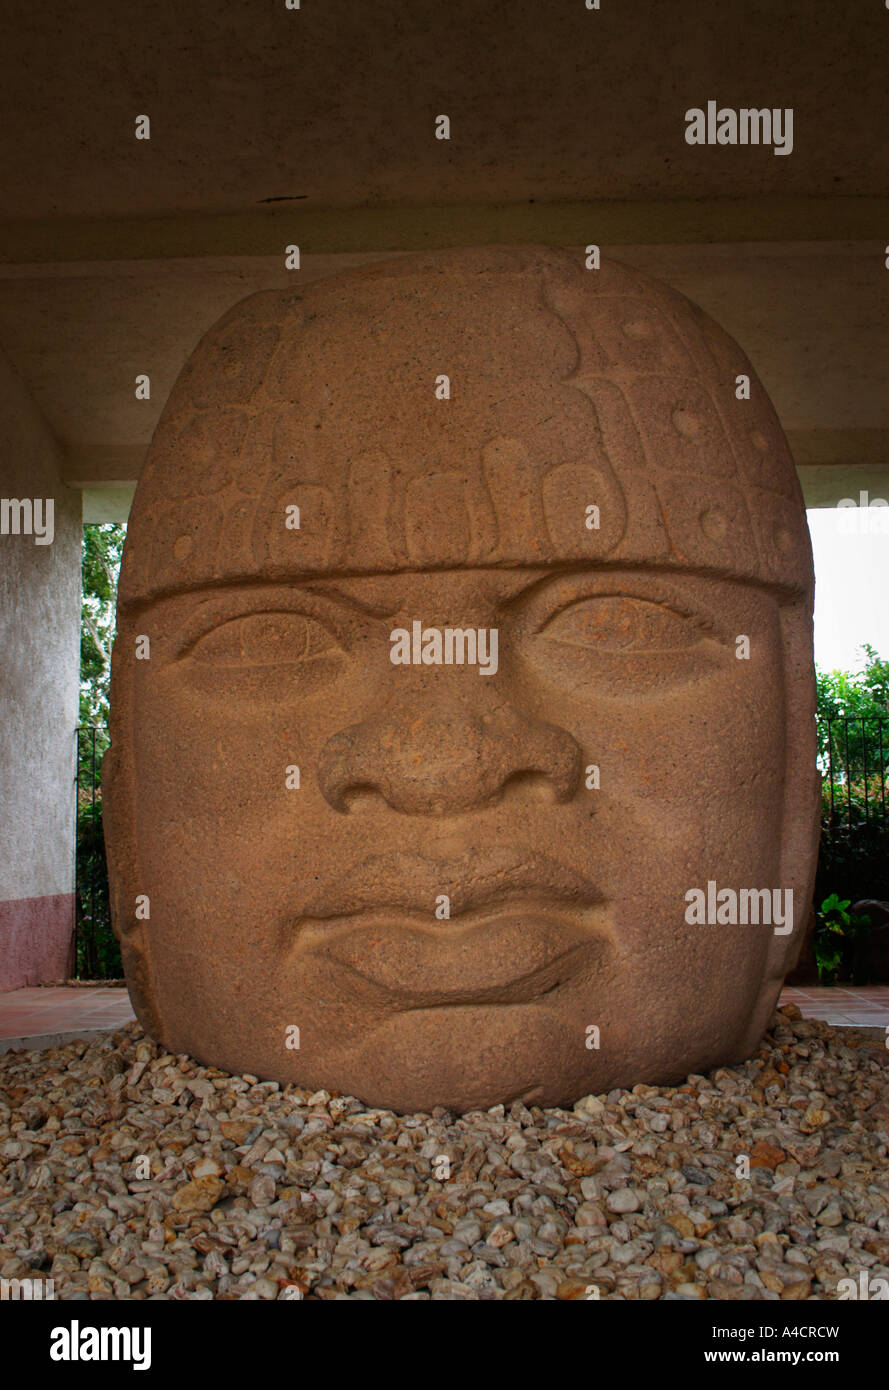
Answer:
(100, 565)
(853, 861)
(861, 694)
(98, 954)
(853, 737)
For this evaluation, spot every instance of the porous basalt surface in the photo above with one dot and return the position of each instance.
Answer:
(464, 639)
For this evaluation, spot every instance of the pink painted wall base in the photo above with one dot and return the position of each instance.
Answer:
(35, 940)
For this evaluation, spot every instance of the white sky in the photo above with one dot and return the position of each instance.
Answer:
(851, 584)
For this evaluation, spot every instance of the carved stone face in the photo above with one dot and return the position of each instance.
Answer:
(479, 888)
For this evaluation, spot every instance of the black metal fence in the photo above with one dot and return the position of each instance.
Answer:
(853, 752)
(853, 860)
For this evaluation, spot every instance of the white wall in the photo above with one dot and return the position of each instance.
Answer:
(39, 677)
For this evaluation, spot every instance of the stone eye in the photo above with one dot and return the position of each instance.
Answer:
(264, 639)
(622, 624)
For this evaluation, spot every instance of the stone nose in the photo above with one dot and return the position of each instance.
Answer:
(448, 760)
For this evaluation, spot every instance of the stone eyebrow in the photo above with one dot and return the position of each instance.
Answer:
(376, 609)
(314, 585)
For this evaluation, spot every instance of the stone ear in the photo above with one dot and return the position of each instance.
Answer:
(123, 886)
(801, 821)
(801, 824)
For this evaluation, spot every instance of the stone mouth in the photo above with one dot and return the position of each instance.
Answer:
(407, 883)
(514, 951)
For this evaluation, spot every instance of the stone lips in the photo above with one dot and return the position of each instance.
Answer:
(569, 387)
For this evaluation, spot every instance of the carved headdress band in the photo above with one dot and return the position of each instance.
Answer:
(567, 389)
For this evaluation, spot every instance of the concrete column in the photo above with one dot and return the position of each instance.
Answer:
(39, 678)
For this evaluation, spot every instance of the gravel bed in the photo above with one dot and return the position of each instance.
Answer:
(127, 1173)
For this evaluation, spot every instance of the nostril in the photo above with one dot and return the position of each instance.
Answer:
(360, 797)
(529, 786)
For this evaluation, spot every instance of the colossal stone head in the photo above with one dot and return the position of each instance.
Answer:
(446, 713)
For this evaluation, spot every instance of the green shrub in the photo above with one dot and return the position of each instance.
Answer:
(841, 939)
(98, 952)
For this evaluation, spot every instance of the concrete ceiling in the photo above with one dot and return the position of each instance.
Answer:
(315, 126)
(334, 103)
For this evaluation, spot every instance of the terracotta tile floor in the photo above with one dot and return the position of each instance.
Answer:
(39, 1017)
(843, 1005)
